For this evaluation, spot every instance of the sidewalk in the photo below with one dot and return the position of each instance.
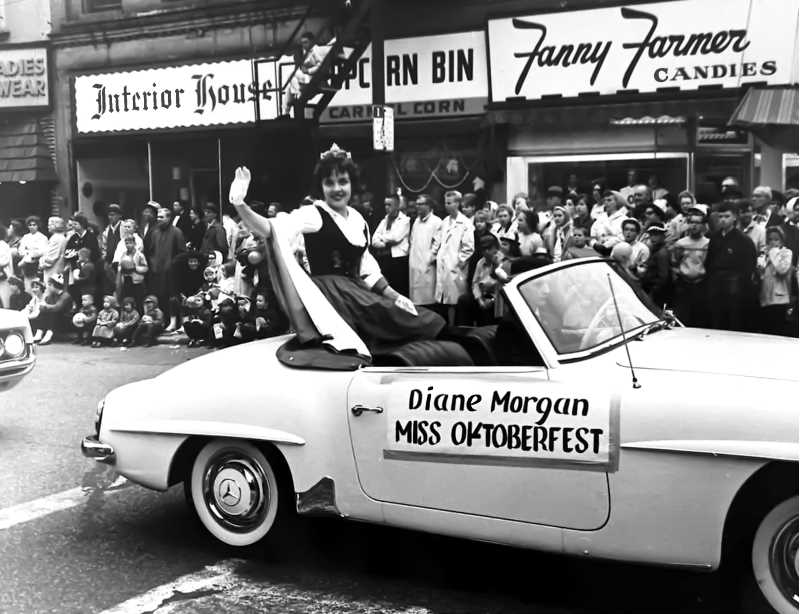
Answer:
(177, 338)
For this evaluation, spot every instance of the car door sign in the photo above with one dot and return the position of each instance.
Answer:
(523, 424)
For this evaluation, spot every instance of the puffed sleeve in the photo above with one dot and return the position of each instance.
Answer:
(303, 220)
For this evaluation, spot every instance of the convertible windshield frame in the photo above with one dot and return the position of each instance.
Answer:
(562, 356)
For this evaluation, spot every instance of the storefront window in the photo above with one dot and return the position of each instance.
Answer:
(112, 173)
(537, 174)
(185, 169)
(790, 166)
(712, 167)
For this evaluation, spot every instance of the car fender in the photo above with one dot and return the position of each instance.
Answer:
(242, 392)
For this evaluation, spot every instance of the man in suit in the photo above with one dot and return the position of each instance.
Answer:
(166, 242)
(108, 245)
(180, 217)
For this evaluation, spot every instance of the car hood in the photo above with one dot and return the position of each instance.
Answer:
(701, 350)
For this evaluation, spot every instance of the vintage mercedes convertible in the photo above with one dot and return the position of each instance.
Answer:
(17, 352)
(586, 422)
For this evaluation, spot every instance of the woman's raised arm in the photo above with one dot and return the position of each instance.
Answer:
(254, 222)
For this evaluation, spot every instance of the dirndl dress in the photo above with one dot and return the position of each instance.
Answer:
(334, 263)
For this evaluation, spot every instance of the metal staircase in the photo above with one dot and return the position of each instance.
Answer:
(352, 39)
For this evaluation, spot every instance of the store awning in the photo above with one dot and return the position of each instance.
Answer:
(775, 106)
(595, 111)
(25, 150)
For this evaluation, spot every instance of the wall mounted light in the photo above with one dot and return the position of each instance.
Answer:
(176, 173)
(22, 182)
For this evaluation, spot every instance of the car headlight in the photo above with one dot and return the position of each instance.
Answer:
(14, 345)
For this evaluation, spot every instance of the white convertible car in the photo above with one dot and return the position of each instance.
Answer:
(586, 423)
(17, 352)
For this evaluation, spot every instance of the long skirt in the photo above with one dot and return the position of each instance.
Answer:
(376, 319)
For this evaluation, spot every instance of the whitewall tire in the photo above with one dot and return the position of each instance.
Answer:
(234, 491)
(775, 556)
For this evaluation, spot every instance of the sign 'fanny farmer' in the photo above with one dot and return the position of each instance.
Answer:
(684, 44)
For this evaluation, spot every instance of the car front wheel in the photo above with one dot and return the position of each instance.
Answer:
(775, 556)
(234, 491)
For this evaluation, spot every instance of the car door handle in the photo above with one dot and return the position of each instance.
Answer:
(360, 409)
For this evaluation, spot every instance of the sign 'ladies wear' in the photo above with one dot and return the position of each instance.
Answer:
(685, 44)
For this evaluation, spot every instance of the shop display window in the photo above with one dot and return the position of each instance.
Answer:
(712, 167)
(536, 174)
(94, 6)
(791, 162)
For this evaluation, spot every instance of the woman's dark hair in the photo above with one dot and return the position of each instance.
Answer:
(487, 242)
(340, 165)
(18, 226)
(80, 219)
(531, 219)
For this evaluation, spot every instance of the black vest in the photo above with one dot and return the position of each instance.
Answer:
(330, 253)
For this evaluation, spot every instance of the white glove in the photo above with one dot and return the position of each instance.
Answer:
(406, 305)
(239, 186)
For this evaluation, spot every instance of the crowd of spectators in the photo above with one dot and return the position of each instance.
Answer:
(128, 283)
(729, 265)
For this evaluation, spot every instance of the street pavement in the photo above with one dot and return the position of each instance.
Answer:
(75, 537)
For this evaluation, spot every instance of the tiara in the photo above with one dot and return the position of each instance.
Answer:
(335, 153)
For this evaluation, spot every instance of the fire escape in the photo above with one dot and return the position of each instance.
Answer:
(351, 27)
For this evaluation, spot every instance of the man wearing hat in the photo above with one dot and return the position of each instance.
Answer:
(657, 279)
(214, 239)
(55, 312)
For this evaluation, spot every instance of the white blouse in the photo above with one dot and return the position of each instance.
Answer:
(307, 220)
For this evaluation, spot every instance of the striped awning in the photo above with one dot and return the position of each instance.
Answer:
(25, 149)
(774, 106)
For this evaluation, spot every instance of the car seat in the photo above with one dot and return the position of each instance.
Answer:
(423, 354)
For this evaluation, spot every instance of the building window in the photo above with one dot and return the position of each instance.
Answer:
(92, 6)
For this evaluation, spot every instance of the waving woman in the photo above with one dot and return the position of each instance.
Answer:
(336, 239)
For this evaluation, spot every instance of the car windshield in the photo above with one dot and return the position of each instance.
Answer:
(575, 307)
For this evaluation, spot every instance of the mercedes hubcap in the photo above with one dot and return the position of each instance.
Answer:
(236, 491)
(783, 560)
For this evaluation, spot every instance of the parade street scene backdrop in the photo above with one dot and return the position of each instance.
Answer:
(360, 306)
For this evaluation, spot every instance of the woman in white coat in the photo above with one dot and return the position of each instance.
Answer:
(454, 245)
(421, 265)
(52, 261)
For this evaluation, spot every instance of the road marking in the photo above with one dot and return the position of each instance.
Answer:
(38, 508)
(216, 588)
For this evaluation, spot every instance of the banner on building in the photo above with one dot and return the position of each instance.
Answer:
(23, 77)
(684, 44)
(176, 97)
(426, 76)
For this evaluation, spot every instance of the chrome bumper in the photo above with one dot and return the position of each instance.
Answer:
(92, 447)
